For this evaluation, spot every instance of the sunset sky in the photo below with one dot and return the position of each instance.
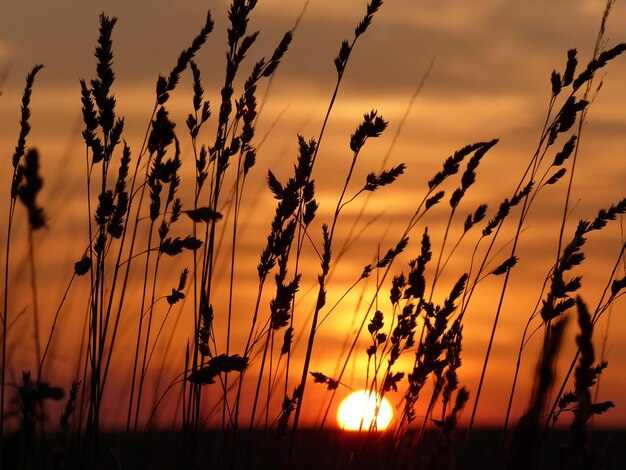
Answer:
(490, 79)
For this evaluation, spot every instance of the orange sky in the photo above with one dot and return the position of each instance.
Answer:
(493, 61)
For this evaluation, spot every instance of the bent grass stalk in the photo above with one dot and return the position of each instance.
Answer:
(16, 178)
(341, 62)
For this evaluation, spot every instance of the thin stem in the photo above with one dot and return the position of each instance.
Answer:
(33, 287)
(440, 257)
(5, 318)
(494, 327)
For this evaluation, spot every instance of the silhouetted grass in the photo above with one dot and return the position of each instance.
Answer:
(137, 219)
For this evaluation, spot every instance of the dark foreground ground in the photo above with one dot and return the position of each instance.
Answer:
(330, 450)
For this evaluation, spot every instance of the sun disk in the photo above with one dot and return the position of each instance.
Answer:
(363, 410)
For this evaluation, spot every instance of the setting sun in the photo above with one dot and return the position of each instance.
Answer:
(359, 409)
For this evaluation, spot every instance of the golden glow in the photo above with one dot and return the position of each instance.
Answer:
(359, 410)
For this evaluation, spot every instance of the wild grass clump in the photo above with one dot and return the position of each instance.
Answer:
(256, 363)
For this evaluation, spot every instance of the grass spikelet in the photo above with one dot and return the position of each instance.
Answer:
(416, 282)
(584, 381)
(372, 126)
(166, 85)
(175, 246)
(556, 177)
(30, 187)
(504, 209)
(527, 438)
(384, 178)
(594, 65)
(555, 80)
(472, 219)
(564, 154)
(469, 175)
(559, 298)
(429, 358)
(20, 148)
(505, 266)
(566, 117)
(319, 378)
(433, 200)
(372, 8)
(452, 163)
(278, 54)
(570, 68)
(101, 86)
